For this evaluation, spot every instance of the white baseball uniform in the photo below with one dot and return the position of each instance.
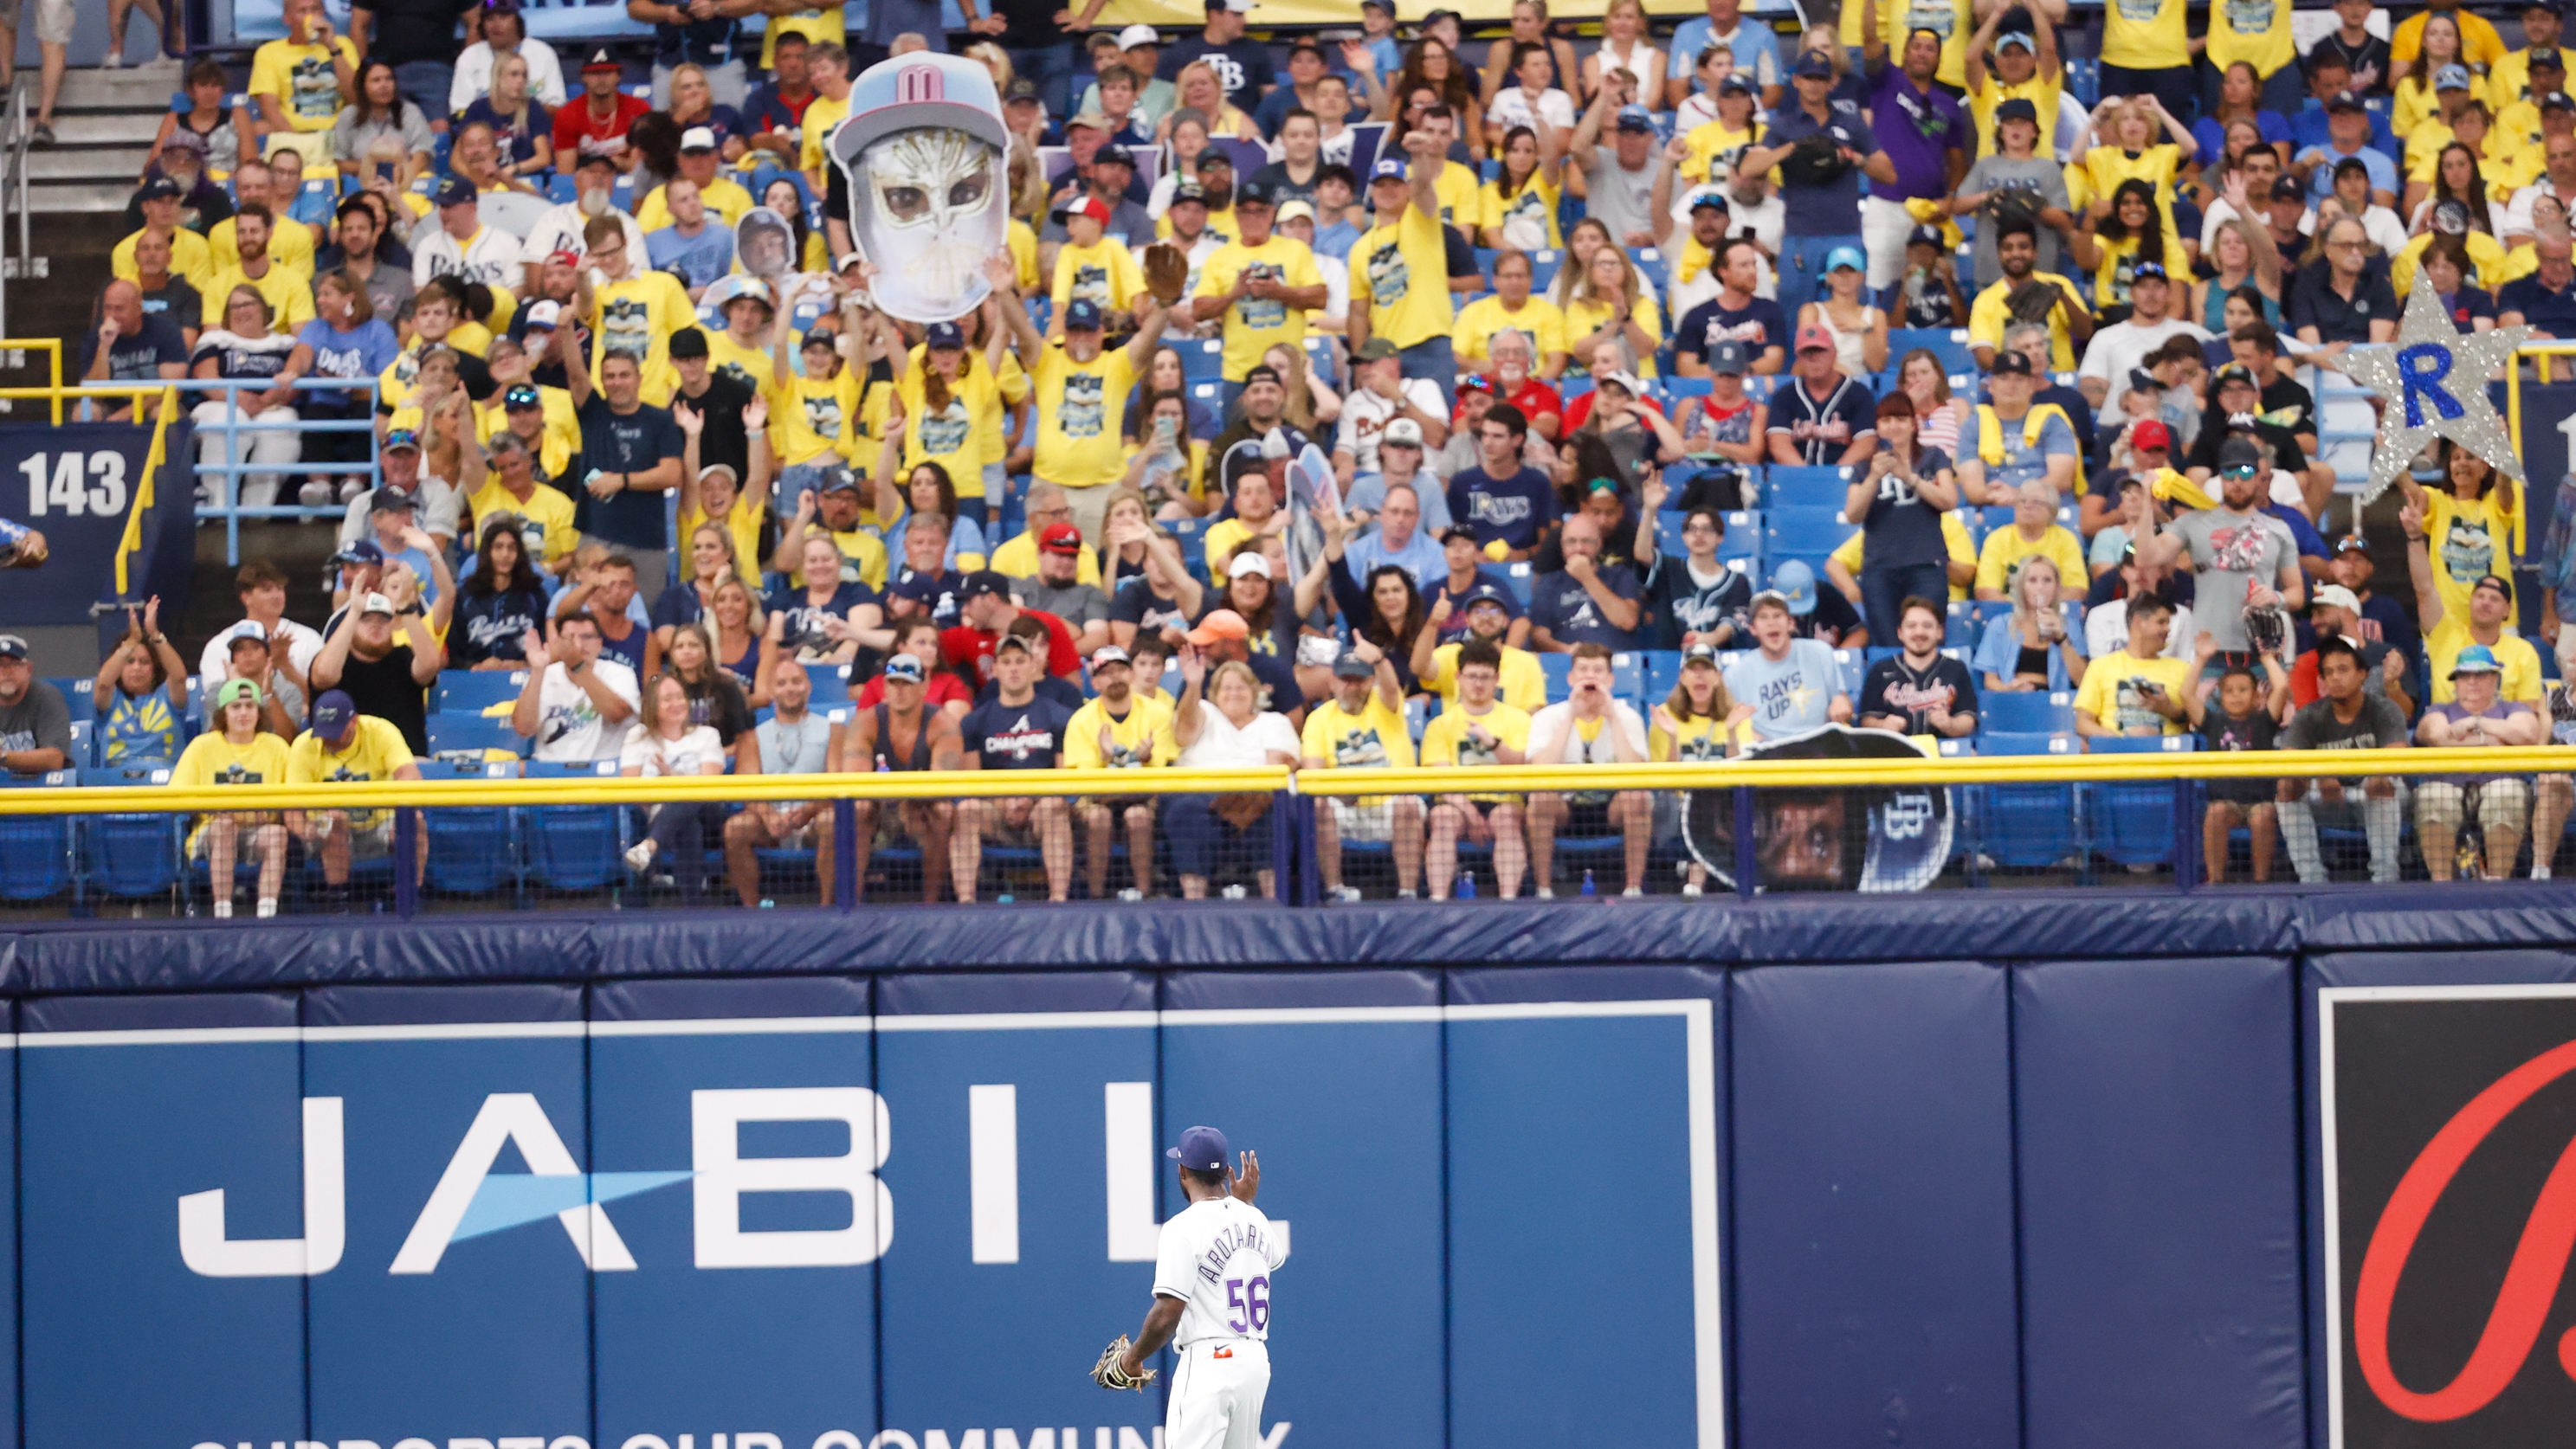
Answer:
(1216, 1256)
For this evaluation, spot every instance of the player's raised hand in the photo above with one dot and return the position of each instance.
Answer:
(1247, 1176)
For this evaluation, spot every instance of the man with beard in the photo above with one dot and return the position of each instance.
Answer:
(1923, 131)
(1118, 730)
(2242, 557)
(2024, 293)
(901, 735)
(356, 252)
(288, 293)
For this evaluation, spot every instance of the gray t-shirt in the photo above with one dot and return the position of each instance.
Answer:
(1620, 199)
(795, 749)
(38, 721)
(1788, 697)
(2380, 725)
(1368, 494)
(1078, 605)
(2229, 551)
(2002, 172)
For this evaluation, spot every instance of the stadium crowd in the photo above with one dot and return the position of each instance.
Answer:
(1866, 375)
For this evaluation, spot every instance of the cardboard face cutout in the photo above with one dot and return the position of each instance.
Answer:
(766, 244)
(923, 152)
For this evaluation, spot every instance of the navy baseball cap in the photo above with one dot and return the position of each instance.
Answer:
(333, 712)
(1728, 358)
(1814, 65)
(1202, 1149)
(363, 552)
(1253, 193)
(1485, 594)
(921, 588)
(1082, 315)
(982, 582)
(160, 188)
(948, 334)
(456, 191)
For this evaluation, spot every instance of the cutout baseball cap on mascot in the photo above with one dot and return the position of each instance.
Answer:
(923, 151)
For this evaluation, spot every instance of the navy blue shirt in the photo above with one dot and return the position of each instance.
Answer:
(1823, 429)
(1016, 736)
(1814, 207)
(1758, 324)
(624, 443)
(1455, 629)
(2551, 312)
(805, 620)
(1516, 510)
(1567, 611)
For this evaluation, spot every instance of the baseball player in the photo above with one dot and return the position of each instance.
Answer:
(1211, 1301)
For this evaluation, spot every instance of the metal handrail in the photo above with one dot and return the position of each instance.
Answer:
(13, 195)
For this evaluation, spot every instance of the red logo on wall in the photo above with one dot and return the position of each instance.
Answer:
(2451, 1201)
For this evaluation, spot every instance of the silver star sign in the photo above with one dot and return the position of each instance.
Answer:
(2434, 378)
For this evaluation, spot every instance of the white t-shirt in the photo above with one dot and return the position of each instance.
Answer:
(2116, 349)
(216, 664)
(490, 256)
(1216, 1256)
(1511, 107)
(560, 230)
(1554, 740)
(1220, 746)
(474, 74)
(568, 722)
(690, 754)
(2106, 631)
(1365, 415)
(1337, 293)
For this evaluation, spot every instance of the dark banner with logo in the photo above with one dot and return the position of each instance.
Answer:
(2450, 1174)
(78, 486)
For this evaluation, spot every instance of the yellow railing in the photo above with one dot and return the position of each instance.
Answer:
(52, 347)
(986, 784)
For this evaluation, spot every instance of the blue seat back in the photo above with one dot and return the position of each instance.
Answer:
(130, 854)
(35, 850)
(574, 847)
(472, 691)
(2025, 712)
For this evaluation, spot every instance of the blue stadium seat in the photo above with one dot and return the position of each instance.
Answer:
(1947, 343)
(1628, 677)
(1810, 487)
(1201, 360)
(1651, 262)
(462, 733)
(1663, 672)
(1964, 626)
(831, 685)
(1854, 667)
(1803, 531)
(2024, 712)
(1516, 577)
(1553, 667)
(1543, 267)
(78, 696)
(36, 855)
(130, 855)
(574, 847)
(1743, 538)
(2132, 822)
(1678, 388)
(560, 187)
(470, 847)
(2025, 827)
(1668, 534)
(469, 691)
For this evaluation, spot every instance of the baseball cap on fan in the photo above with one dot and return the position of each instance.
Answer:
(1202, 1149)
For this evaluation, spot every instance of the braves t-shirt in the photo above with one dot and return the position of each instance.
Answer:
(1898, 688)
(1758, 324)
(1017, 736)
(1515, 510)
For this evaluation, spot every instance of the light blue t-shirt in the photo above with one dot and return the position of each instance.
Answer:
(2022, 463)
(1757, 50)
(699, 259)
(1999, 653)
(1791, 696)
(1367, 494)
(2383, 172)
(1426, 561)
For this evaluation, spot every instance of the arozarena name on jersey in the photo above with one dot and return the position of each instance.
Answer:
(1240, 1238)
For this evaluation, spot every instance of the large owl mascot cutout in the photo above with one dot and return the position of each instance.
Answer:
(923, 151)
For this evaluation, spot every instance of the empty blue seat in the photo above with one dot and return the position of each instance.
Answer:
(1628, 676)
(1803, 531)
(1678, 388)
(1201, 360)
(1516, 577)
(2026, 827)
(35, 850)
(461, 734)
(1743, 538)
(2131, 822)
(1552, 668)
(1663, 672)
(1950, 344)
(472, 691)
(831, 684)
(1543, 268)
(2024, 712)
(1804, 486)
(574, 847)
(470, 846)
(130, 855)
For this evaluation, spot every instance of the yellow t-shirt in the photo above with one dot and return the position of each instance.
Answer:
(2251, 31)
(1105, 274)
(1703, 738)
(375, 752)
(2479, 42)
(750, 366)
(1024, 255)
(1583, 317)
(191, 260)
(473, 338)
(1523, 684)
(1471, 339)
(2104, 167)
(1406, 270)
(2487, 257)
(555, 445)
(2110, 690)
(1222, 540)
(1535, 201)
(2149, 36)
(2509, 82)
(2442, 646)
(1949, 19)
(1954, 533)
(2120, 258)
(290, 245)
(1709, 141)
(211, 759)
(1445, 740)
(1017, 558)
(1220, 224)
(817, 26)
(290, 297)
(2040, 90)
(551, 509)
(1461, 192)
(724, 200)
(1989, 314)
(1144, 738)
(1253, 325)
(867, 551)
(1999, 562)
(303, 79)
(953, 438)
(1374, 739)
(1079, 405)
(2468, 541)
(823, 116)
(637, 316)
(817, 416)
(742, 525)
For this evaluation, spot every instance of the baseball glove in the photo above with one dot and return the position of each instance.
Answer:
(1167, 272)
(2267, 629)
(2032, 301)
(1109, 1373)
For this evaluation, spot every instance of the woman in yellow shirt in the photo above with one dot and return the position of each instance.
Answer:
(711, 497)
(237, 752)
(1520, 204)
(1611, 304)
(2415, 102)
(2127, 226)
(2124, 147)
(1689, 727)
(2470, 529)
(1167, 464)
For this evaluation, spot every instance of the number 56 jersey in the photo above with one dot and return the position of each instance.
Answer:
(1216, 1256)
